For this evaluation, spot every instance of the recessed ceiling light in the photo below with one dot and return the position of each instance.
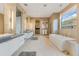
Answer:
(60, 5)
(45, 5)
(26, 4)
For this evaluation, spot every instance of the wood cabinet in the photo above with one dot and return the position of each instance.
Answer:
(1, 23)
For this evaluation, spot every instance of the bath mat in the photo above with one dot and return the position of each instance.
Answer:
(34, 38)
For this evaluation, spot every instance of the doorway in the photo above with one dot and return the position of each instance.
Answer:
(37, 26)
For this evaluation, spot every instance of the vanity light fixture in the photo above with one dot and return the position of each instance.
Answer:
(9, 14)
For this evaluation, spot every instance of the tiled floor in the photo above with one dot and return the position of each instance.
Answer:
(42, 46)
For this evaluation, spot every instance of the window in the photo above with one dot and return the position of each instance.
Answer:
(68, 18)
(55, 26)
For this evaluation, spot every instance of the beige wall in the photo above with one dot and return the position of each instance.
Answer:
(51, 19)
(8, 8)
(77, 21)
(1, 23)
(23, 21)
(7, 13)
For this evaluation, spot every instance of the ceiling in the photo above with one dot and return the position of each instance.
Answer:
(43, 9)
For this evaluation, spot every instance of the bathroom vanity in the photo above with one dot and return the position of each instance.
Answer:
(9, 43)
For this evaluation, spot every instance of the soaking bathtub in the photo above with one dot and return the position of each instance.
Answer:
(59, 41)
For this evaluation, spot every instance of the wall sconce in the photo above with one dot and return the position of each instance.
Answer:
(11, 20)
